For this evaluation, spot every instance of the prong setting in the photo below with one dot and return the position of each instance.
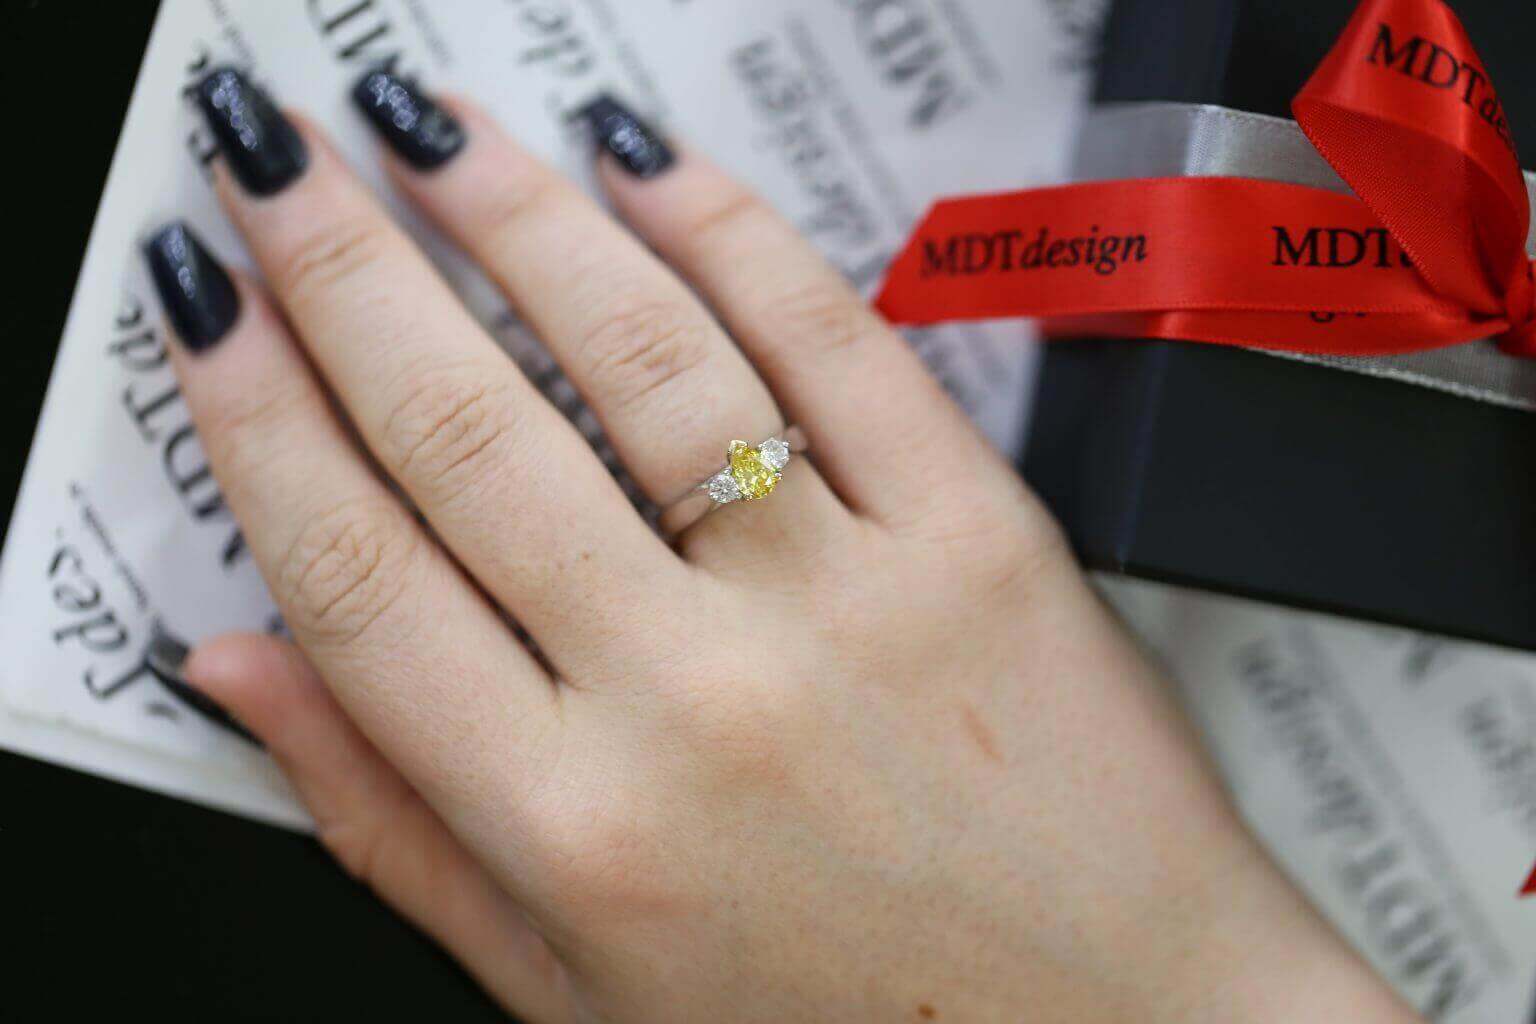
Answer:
(750, 474)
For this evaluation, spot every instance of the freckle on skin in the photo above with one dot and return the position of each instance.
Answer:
(927, 1012)
(982, 735)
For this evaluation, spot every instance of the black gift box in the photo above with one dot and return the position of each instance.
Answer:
(1270, 478)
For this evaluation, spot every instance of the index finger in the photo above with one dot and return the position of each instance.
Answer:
(422, 663)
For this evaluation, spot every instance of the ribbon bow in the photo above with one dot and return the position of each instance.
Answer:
(1428, 252)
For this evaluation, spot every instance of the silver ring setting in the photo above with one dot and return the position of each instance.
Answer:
(750, 473)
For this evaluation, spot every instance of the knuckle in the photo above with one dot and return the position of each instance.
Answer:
(326, 257)
(239, 434)
(639, 349)
(1040, 553)
(346, 568)
(744, 731)
(447, 426)
(602, 853)
(1005, 555)
(737, 215)
(506, 212)
(825, 318)
(747, 754)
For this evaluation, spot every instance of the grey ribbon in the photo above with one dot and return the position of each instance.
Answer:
(1163, 140)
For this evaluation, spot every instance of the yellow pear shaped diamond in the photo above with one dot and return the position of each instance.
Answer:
(755, 476)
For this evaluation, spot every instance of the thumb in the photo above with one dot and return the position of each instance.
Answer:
(375, 825)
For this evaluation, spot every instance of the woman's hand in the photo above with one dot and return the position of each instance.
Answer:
(867, 749)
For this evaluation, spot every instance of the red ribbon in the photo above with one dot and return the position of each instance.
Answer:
(1428, 252)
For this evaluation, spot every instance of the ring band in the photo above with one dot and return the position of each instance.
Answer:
(749, 474)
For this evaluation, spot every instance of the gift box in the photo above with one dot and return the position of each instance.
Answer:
(1400, 489)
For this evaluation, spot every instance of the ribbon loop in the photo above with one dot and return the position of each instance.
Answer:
(1404, 111)
(1429, 251)
(1520, 339)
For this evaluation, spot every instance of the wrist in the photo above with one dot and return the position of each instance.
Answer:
(1259, 952)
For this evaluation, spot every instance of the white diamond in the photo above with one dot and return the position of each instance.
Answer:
(774, 452)
(722, 488)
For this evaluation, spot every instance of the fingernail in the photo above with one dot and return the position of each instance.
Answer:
(423, 134)
(633, 143)
(166, 654)
(263, 149)
(199, 298)
(166, 657)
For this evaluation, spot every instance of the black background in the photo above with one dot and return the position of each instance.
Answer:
(113, 901)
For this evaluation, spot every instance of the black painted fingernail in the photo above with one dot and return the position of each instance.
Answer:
(199, 298)
(636, 146)
(417, 129)
(264, 150)
(166, 656)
